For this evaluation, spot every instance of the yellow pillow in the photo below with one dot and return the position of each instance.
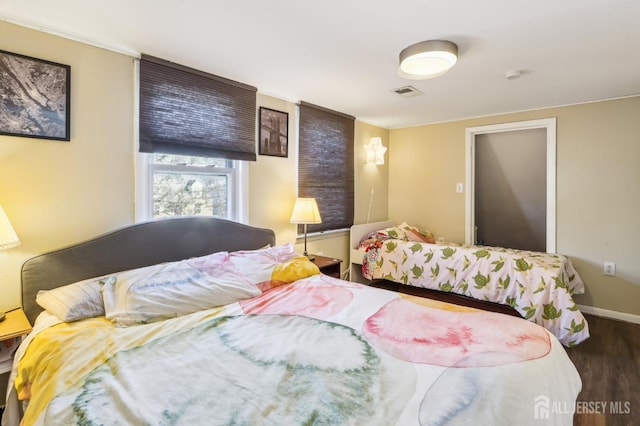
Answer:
(295, 269)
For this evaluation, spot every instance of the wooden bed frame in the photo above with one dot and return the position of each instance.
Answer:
(135, 246)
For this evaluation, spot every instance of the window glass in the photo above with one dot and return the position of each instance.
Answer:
(185, 185)
(187, 160)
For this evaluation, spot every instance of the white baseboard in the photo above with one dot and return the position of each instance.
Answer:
(606, 313)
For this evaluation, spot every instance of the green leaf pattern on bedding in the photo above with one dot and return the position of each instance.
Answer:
(498, 264)
(529, 310)
(429, 256)
(504, 282)
(448, 252)
(522, 265)
(482, 253)
(416, 247)
(538, 285)
(445, 286)
(390, 246)
(435, 271)
(481, 280)
(417, 271)
(550, 312)
(541, 286)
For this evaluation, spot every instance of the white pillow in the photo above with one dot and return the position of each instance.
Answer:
(258, 265)
(173, 289)
(75, 301)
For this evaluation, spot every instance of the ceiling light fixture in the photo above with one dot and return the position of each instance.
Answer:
(427, 59)
(512, 75)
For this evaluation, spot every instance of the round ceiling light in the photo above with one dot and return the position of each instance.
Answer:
(427, 59)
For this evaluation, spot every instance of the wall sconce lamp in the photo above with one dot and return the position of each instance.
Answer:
(375, 151)
(305, 211)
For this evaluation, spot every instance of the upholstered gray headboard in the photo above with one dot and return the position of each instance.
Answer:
(135, 246)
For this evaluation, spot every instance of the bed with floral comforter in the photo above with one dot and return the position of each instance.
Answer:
(295, 347)
(539, 286)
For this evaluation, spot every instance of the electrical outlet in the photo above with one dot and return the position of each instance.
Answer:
(609, 269)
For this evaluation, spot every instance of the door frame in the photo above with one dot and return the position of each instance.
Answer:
(550, 125)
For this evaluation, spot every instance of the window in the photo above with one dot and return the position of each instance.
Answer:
(175, 185)
(325, 165)
(194, 131)
(185, 185)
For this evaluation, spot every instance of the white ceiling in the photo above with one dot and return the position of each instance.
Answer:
(343, 54)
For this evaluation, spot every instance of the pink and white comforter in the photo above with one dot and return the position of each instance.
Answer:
(316, 351)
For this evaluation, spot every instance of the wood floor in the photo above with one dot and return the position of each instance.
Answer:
(609, 365)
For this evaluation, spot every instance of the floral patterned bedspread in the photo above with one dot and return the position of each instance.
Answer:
(539, 286)
(316, 351)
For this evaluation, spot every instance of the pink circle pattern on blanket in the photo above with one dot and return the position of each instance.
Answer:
(307, 298)
(427, 335)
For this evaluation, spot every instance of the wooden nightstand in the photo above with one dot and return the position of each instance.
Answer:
(14, 325)
(328, 265)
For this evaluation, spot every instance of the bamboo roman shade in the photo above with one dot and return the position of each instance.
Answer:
(190, 112)
(325, 165)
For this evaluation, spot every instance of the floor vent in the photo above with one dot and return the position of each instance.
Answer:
(408, 91)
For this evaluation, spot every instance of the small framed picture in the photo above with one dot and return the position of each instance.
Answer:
(274, 128)
(35, 97)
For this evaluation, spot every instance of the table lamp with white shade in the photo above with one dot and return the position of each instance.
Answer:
(305, 211)
(8, 238)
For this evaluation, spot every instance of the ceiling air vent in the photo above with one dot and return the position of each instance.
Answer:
(408, 91)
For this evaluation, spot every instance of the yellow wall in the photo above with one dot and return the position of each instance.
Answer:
(598, 189)
(56, 193)
(369, 177)
(60, 193)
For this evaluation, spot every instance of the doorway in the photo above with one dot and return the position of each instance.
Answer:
(510, 198)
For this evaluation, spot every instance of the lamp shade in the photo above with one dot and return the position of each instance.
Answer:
(8, 237)
(305, 211)
(375, 151)
(427, 59)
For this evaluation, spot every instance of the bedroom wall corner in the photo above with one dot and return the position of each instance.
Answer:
(57, 193)
(597, 189)
(371, 185)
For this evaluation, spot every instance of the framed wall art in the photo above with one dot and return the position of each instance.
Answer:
(274, 128)
(35, 97)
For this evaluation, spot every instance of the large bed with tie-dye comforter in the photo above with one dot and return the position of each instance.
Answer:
(537, 285)
(287, 346)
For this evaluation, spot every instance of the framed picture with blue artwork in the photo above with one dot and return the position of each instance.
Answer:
(35, 97)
